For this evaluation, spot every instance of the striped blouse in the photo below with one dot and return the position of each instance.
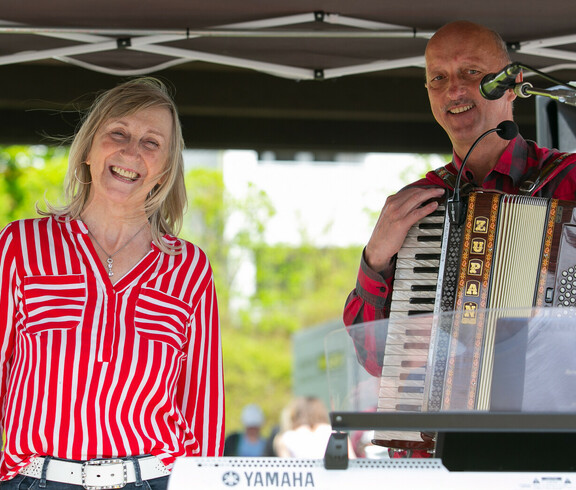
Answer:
(89, 369)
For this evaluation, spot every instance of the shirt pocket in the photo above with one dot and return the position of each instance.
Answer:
(53, 302)
(162, 318)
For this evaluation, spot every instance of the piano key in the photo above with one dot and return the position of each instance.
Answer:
(407, 306)
(421, 301)
(405, 392)
(414, 242)
(407, 330)
(431, 225)
(415, 232)
(399, 372)
(395, 382)
(413, 399)
(408, 337)
(398, 315)
(392, 405)
(413, 361)
(423, 287)
(413, 263)
(424, 238)
(400, 348)
(404, 295)
(423, 321)
(408, 274)
(408, 343)
(408, 285)
(432, 218)
(417, 253)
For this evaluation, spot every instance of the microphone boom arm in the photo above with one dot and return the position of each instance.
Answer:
(564, 96)
(455, 206)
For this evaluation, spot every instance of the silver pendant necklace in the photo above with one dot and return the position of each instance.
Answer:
(110, 257)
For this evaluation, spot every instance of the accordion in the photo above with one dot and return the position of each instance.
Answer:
(511, 252)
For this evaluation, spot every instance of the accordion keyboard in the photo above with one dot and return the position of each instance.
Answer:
(408, 339)
(417, 268)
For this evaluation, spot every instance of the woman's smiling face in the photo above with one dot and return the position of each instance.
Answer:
(129, 154)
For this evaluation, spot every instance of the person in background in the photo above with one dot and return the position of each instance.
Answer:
(304, 430)
(249, 442)
(110, 349)
(270, 450)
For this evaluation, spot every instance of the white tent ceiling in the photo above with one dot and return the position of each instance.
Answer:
(244, 57)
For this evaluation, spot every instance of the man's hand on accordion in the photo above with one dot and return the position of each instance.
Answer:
(400, 212)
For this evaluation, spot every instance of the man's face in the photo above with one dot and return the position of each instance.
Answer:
(456, 62)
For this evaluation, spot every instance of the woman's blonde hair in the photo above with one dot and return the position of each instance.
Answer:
(309, 411)
(166, 203)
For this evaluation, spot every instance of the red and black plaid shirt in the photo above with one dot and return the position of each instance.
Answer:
(521, 161)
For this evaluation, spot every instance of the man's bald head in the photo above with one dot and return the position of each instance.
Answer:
(465, 30)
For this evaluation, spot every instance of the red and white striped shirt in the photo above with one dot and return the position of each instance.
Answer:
(89, 369)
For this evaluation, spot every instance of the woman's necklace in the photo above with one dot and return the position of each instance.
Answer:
(110, 259)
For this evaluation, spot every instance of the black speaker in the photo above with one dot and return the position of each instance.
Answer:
(507, 451)
(555, 124)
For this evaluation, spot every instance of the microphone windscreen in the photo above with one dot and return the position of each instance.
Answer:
(507, 130)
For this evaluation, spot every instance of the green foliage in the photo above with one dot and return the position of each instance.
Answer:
(296, 287)
(257, 369)
(257, 365)
(302, 286)
(204, 223)
(29, 176)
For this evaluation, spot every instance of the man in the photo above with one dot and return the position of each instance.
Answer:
(458, 56)
(250, 442)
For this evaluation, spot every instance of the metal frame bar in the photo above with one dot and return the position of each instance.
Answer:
(543, 48)
(455, 421)
(153, 41)
(99, 40)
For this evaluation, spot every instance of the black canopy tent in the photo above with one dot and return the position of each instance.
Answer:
(329, 76)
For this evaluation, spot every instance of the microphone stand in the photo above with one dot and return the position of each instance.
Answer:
(562, 95)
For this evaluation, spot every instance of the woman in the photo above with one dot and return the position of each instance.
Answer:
(109, 333)
(305, 430)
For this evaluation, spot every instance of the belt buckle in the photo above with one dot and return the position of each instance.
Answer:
(89, 473)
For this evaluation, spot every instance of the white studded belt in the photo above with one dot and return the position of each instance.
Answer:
(96, 474)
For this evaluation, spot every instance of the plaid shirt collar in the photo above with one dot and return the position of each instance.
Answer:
(513, 163)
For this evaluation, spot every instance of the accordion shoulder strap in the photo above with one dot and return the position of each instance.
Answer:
(532, 182)
(449, 179)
